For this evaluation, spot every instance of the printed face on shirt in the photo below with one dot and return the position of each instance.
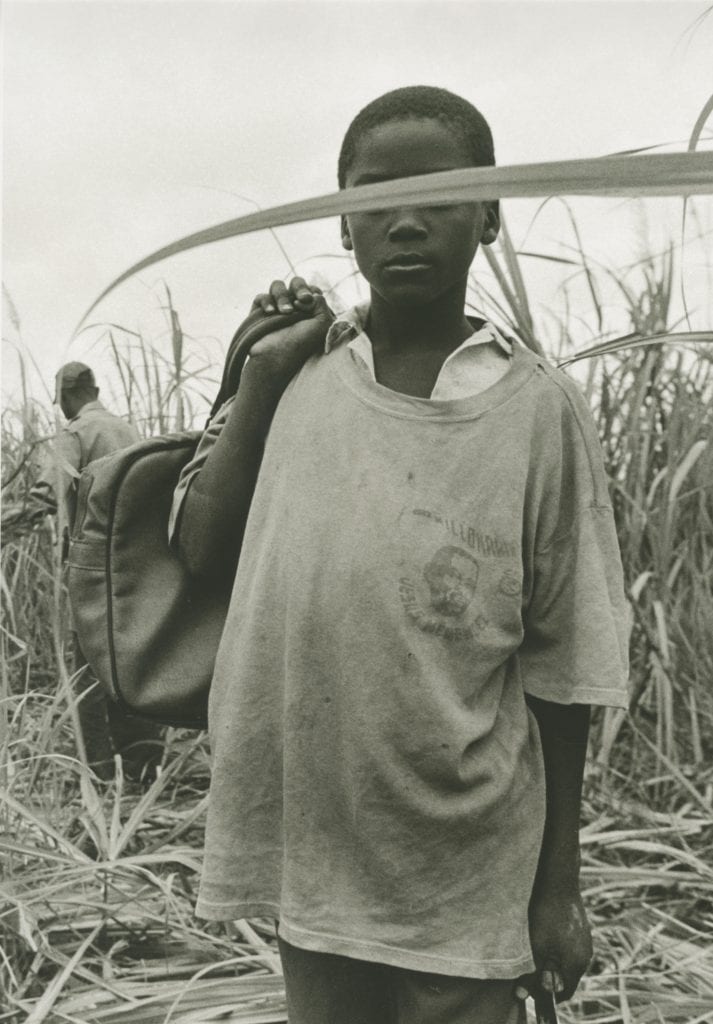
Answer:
(415, 254)
(452, 577)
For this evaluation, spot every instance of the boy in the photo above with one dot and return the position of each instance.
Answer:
(429, 597)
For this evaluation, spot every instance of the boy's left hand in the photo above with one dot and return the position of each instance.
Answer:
(561, 941)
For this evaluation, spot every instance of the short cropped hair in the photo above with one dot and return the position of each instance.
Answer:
(415, 102)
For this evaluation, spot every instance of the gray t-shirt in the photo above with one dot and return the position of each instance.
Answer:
(410, 569)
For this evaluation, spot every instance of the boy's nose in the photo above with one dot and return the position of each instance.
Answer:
(405, 224)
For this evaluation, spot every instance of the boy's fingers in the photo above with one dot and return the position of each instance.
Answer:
(281, 297)
(298, 297)
(551, 977)
(306, 297)
(264, 302)
(300, 290)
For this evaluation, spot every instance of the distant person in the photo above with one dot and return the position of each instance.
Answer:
(92, 432)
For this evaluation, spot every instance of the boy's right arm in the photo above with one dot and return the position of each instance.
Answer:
(216, 506)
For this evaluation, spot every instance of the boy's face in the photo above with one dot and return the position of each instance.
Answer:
(413, 255)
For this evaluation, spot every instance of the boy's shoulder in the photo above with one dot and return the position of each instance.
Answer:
(567, 437)
(556, 422)
(562, 396)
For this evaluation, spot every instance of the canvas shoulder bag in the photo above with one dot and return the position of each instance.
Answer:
(148, 629)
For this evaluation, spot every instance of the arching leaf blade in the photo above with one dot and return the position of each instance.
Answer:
(643, 175)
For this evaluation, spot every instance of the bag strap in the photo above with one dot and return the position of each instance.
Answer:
(251, 330)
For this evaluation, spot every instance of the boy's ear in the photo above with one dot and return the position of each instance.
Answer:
(491, 228)
(346, 237)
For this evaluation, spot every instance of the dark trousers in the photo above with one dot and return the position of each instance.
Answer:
(323, 988)
(107, 730)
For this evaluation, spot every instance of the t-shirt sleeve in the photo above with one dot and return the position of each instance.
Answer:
(191, 470)
(575, 648)
(576, 620)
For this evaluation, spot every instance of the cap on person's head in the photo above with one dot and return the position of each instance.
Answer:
(71, 376)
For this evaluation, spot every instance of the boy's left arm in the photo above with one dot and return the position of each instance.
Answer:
(559, 932)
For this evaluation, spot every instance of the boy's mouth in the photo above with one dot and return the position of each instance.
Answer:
(407, 261)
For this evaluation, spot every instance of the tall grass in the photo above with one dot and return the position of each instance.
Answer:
(164, 382)
(99, 878)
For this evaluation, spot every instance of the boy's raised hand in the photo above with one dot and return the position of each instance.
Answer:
(298, 296)
(279, 354)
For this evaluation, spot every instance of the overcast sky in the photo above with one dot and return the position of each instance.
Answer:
(129, 124)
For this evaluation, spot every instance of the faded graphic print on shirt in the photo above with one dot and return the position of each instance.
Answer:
(461, 570)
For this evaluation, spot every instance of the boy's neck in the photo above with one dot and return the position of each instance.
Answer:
(438, 326)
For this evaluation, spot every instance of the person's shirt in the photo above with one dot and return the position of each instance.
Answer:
(411, 569)
(479, 361)
(91, 434)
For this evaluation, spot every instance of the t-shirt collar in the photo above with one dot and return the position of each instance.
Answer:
(87, 407)
(349, 327)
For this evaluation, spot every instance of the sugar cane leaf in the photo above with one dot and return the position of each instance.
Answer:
(631, 341)
(639, 175)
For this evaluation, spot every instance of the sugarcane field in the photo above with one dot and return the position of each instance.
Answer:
(357, 512)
